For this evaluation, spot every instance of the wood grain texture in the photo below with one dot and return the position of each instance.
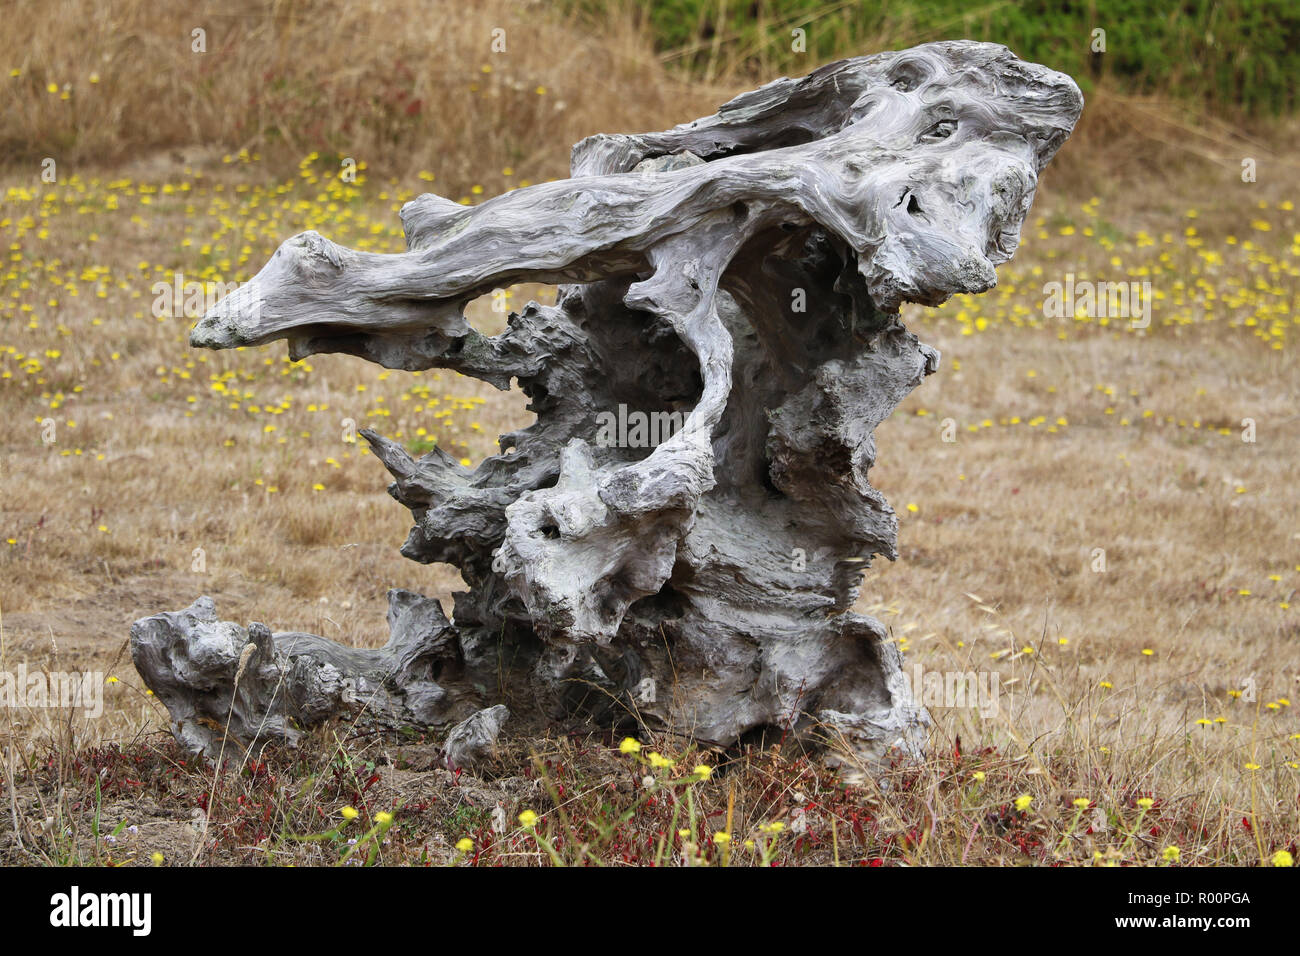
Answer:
(743, 273)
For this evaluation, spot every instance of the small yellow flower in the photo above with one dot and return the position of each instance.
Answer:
(1023, 801)
(1082, 803)
(978, 775)
(383, 817)
(528, 819)
(1171, 854)
(349, 813)
(721, 838)
(629, 746)
(1146, 803)
(1282, 858)
(658, 760)
(703, 772)
(465, 844)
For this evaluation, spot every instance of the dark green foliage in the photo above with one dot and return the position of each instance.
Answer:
(1222, 53)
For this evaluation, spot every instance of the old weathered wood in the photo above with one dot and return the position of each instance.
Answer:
(738, 277)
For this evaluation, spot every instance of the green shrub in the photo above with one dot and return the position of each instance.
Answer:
(1233, 53)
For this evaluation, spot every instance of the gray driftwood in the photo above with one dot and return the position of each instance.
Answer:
(739, 277)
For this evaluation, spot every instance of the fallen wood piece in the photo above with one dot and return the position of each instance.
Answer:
(678, 540)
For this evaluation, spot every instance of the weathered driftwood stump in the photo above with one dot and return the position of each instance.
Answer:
(680, 537)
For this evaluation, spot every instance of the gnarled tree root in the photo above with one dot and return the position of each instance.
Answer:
(680, 537)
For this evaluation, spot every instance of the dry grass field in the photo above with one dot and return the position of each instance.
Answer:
(1103, 517)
